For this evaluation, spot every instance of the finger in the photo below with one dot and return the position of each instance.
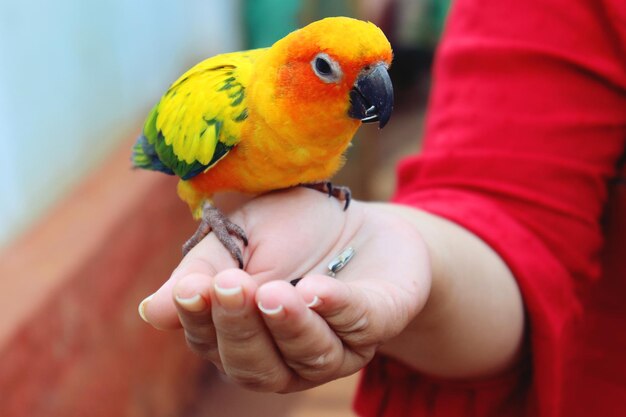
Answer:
(246, 349)
(192, 295)
(206, 258)
(158, 309)
(360, 316)
(306, 343)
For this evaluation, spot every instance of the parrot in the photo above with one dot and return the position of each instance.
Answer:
(267, 119)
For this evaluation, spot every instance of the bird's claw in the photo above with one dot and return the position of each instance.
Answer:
(340, 192)
(213, 220)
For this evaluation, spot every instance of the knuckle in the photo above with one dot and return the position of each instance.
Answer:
(235, 334)
(357, 330)
(201, 344)
(316, 367)
(359, 324)
(356, 324)
(267, 380)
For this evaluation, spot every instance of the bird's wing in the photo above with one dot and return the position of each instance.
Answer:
(199, 119)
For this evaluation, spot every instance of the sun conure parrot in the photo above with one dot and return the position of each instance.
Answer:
(268, 119)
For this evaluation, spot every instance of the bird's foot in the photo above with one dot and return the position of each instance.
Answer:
(213, 220)
(340, 192)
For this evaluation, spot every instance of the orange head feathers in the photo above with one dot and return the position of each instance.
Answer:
(326, 78)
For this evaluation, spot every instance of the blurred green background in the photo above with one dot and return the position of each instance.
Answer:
(77, 77)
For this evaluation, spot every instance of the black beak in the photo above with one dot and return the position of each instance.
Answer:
(371, 98)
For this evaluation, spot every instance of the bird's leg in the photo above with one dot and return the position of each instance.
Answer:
(213, 220)
(340, 192)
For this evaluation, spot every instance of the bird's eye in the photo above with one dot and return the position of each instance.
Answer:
(327, 69)
(322, 66)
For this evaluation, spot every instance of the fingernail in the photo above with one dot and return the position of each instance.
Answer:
(193, 304)
(315, 302)
(272, 312)
(142, 308)
(229, 298)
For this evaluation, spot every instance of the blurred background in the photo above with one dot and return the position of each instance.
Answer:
(83, 238)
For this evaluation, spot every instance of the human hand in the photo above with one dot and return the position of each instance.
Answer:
(268, 335)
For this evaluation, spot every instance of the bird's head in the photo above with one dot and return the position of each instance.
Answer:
(330, 76)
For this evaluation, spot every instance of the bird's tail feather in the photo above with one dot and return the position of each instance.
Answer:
(145, 156)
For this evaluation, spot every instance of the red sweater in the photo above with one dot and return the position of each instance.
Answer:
(526, 124)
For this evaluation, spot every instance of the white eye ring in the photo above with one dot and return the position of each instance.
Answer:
(326, 68)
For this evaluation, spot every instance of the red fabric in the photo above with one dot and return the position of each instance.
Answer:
(526, 124)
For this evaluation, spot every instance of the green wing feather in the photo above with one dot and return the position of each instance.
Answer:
(200, 117)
